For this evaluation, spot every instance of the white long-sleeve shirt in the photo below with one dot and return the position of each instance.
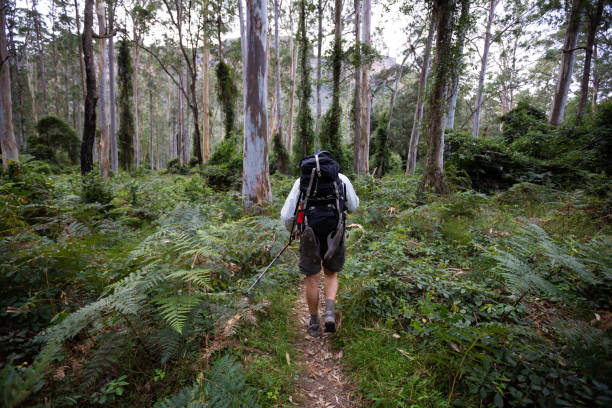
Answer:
(352, 201)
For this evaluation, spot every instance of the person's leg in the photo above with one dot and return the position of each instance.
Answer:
(331, 284)
(312, 293)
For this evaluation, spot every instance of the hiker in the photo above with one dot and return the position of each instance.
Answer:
(317, 203)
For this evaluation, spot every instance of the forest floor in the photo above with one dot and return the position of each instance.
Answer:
(323, 383)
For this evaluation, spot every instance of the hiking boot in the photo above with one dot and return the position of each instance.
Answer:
(314, 328)
(329, 319)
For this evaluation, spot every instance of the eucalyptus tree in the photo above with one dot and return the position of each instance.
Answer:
(463, 25)
(279, 117)
(304, 143)
(359, 161)
(111, 5)
(41, 58)
(125, 74)
(205, 85)
(366, 102)
(255, 175)
(10, 151)
(103, 97)
(420, 102)
(91, 96)
(483, 67)
(594, 14)
(433, 174)
(567, 62)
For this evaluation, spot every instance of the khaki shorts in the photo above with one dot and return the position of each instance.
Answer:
(312, 250)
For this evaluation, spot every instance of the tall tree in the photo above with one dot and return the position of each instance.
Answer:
(420, 103)
(567, 62)
(594, 21)
(366, 101)
(111, 86)
(433, 175)
(292, 70)
(359, 161)
(459, 43)
(205, 87)
(320, 8)
(91, 97)
(41, 57)
(104, 101)
(255, 175)
(304, 132)
(279, 118)
(125, 73)
(8, 142)
(483, 68)
(330, 128)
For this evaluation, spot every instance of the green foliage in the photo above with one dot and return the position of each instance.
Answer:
(174, 167)
(223, 171)
(329, 134)
(303, 144)
(126, 117)
(57, 142)
(279, 159)
(223, 387)
(522, 120)
(382, 153)
(95, 189)
(227, 93)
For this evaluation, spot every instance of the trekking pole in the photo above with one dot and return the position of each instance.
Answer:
(246, 294)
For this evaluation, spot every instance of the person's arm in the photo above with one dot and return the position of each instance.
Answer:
(352, 201)
(289, 206)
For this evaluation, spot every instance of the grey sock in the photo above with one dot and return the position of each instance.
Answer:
(314, 319)
(329, 305)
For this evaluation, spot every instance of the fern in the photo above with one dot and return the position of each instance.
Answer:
(175, 309)
(224, 387)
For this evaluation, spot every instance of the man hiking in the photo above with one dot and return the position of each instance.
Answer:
(317, 204)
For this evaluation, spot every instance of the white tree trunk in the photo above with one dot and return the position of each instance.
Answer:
(483, 68)
(420, 105)
(279, 119)
(205, 92)
(255, 175)
(104, 152)
(10, 151)
(567, 63)
(463, 26)
(358, 159)
(365, 85)
(136, 106)
(293, 54)
(319, 43)
(114, 156)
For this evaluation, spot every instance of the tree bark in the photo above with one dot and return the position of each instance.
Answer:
(279, 119)
(255, 175)
(205, 91)
(586, 73)
(181, 122)
(10, 151)
(293, 54)
(81, 63)
(433, 176)
(104, 162)
(91, 97)
(41, 58)
(114, 155)
(365, 86)
(595, 78)
(463, 26)
(136, 105)
(413, 146)
(319, 44)
(483, 68)
(567, 63)
(359, 164)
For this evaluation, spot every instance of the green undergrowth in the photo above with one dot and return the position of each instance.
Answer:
(478, 300)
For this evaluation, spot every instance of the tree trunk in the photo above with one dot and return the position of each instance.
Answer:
(359, 164)
(10, 151)
(319, 43)
(586, 73)
(365, 87)
(463, 26)
(31, 84)
(595, 78)
(279, 119)
(181, 121)
(483, 68)
(151, 156)
(205, 92)
(255, 176)
(104, 162)
(91, 97)
(111, 94)
(420, 104)
(81, 64)
(293, 54)
(136, 106)
(567, 63)
(41, 58)
(433, 175)
(21, 139)
(243, 52)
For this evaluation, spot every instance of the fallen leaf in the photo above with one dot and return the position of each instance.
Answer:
(395, 336)
(288, 359)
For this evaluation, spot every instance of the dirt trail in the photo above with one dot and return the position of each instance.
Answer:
(322, 383)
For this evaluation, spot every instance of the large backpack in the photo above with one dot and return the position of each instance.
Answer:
(320, 188)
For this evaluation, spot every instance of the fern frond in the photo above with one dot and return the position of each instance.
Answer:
(175, 309)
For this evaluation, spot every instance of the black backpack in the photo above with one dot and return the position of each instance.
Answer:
(320, 186)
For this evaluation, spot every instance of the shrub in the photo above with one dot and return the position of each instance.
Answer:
(224, 168)
(95, 190)
(522, 120)
(279, 159)
(174, 167)
(55, 135)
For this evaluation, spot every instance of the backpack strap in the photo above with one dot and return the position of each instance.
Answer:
(312, 173)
